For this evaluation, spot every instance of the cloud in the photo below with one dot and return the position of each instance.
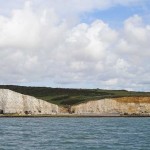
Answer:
(38, 46)
(78, 6)
(68, 9)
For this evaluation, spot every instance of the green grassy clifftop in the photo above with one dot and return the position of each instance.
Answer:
(64, 96)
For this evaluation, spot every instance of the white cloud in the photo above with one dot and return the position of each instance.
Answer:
(41, 46)
(79, 6)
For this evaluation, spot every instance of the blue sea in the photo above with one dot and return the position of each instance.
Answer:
(75, 133)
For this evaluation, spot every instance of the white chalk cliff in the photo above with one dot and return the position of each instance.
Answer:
(116, 106)
(15, 103)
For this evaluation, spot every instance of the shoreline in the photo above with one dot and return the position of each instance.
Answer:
(72, 116)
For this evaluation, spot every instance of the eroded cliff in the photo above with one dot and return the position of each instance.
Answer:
(116, 106)
(15, 103)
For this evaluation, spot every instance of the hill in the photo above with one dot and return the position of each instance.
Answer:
(66, 96)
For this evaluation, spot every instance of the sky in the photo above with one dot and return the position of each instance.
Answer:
(75, 43)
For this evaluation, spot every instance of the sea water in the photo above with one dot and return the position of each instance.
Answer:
(75, 133)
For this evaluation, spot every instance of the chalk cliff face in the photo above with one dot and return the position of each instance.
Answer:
(116, 106)
(15, 103)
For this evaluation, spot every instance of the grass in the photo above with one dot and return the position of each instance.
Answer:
(64, 96)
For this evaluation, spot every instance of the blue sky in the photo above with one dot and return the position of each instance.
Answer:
(116, 15)
(75, 44)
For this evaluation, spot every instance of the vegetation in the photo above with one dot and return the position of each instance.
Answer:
(63, 96)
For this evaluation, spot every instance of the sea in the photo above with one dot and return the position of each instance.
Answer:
(62, 133)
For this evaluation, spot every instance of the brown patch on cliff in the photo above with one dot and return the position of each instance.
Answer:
(63, 110)
(133, 100)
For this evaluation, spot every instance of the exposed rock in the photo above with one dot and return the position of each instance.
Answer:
(118, 106)
(15, 103)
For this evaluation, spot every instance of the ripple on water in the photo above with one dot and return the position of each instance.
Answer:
(74, 133)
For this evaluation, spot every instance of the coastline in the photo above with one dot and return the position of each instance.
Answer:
(71, 116)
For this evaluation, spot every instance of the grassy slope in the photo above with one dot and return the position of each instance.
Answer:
(64, 97)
